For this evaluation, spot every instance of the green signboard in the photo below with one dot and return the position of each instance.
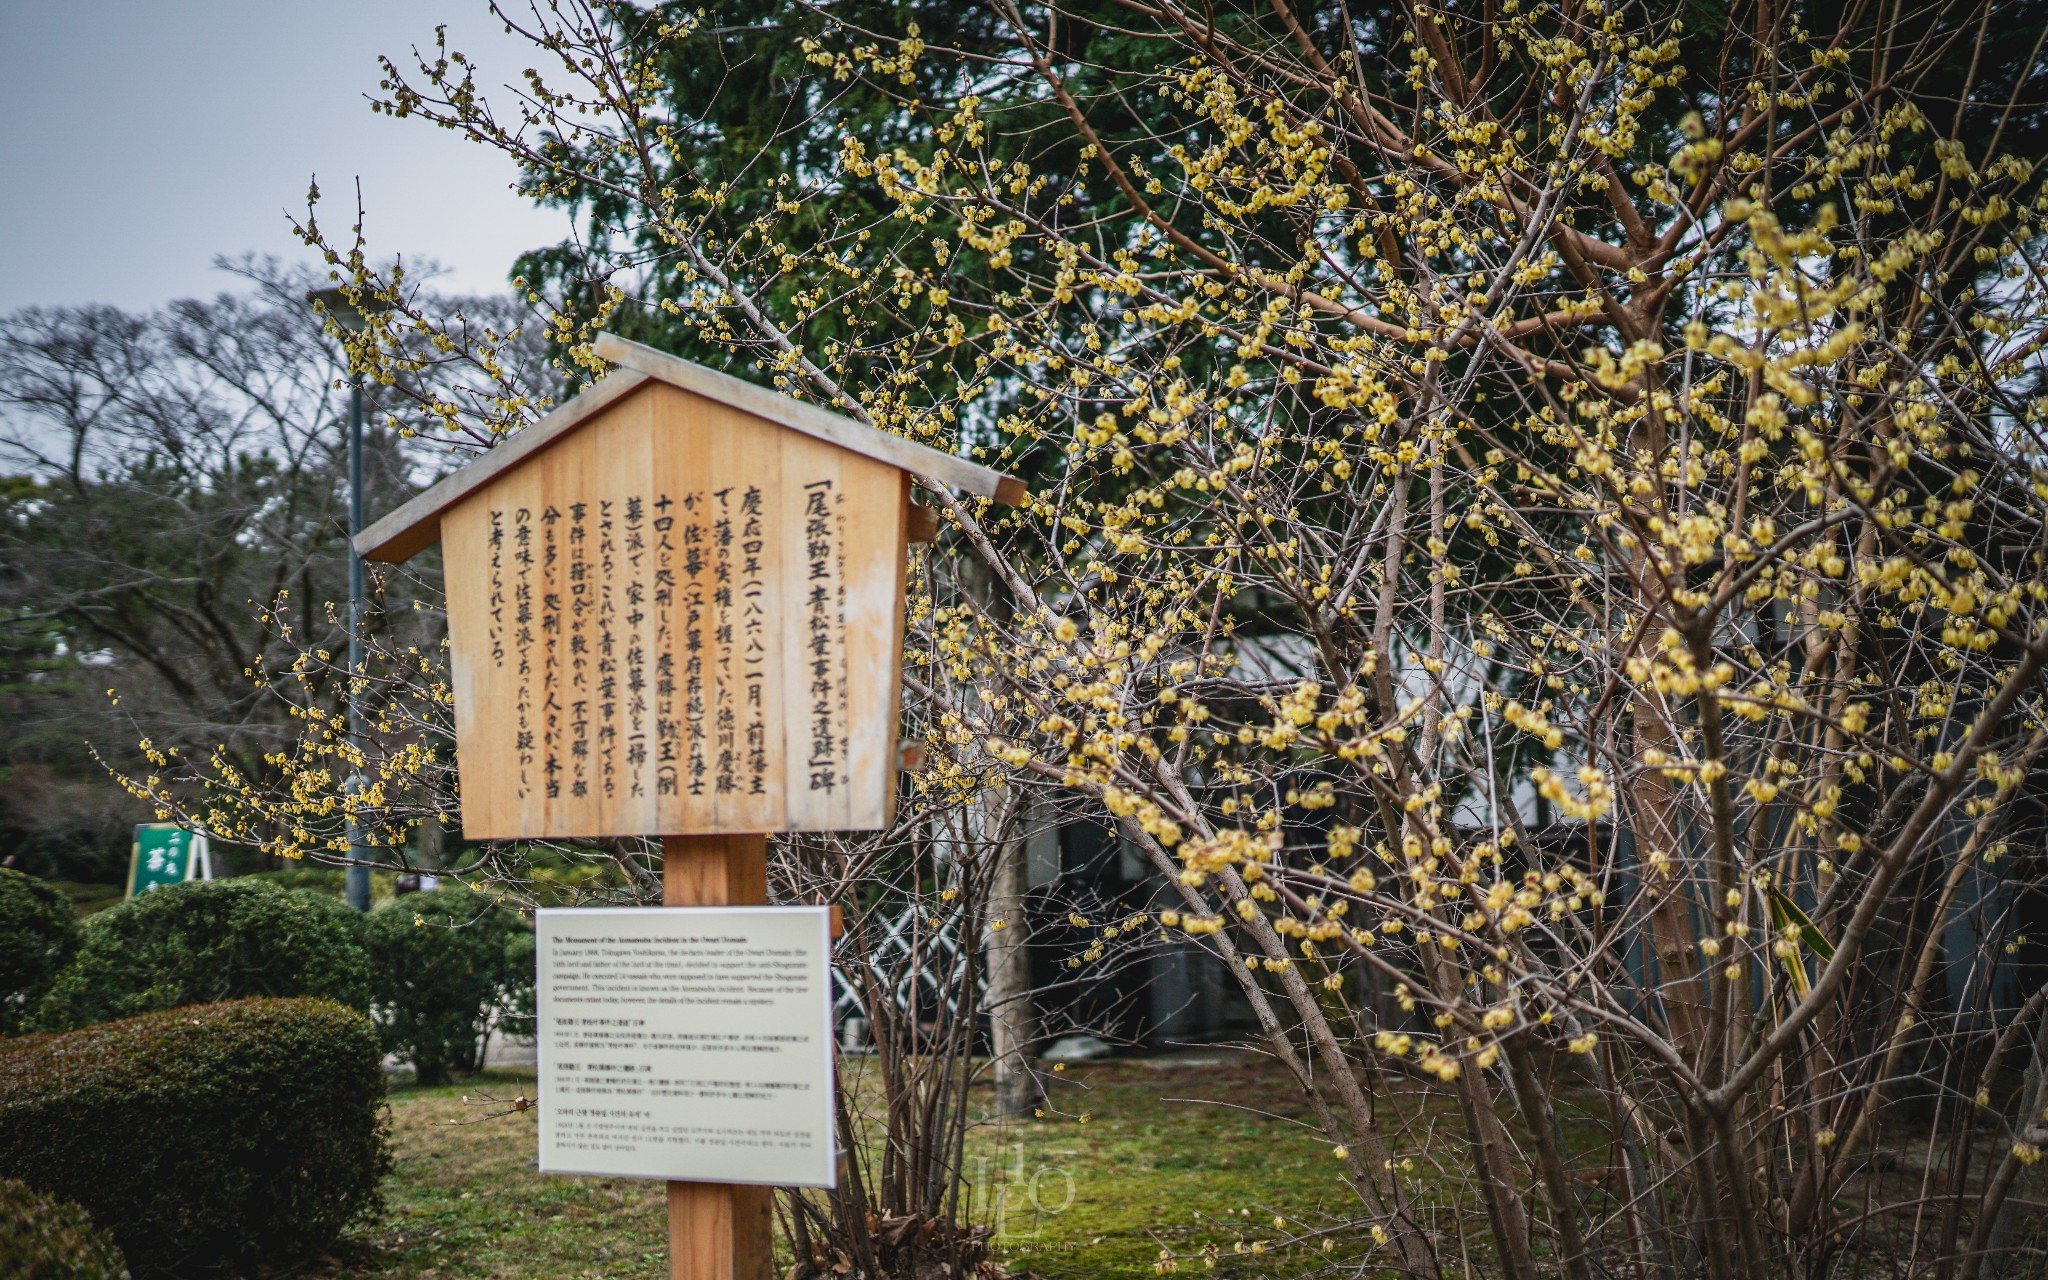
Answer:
(166, 853)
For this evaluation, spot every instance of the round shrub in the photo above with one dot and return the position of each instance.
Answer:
(210, 940)
(39, 933)
(332, 881)
(519, 1016)
(231, 1136)
(447, 966)
(44, 1238)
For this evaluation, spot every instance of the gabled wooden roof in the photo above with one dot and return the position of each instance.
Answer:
(416, 526)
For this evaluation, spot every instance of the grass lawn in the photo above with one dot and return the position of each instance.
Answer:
(1071, 1199)
(88, 899)
(466, 1201)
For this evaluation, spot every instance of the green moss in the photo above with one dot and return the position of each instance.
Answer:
(1167, 1157)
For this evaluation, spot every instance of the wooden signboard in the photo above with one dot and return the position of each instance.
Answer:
(675, 608)
(687, 620)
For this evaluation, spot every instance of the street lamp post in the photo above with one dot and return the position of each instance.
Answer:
(350, 317)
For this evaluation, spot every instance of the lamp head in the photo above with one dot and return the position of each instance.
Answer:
(335, 303)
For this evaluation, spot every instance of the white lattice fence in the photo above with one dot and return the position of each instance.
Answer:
(921, 968)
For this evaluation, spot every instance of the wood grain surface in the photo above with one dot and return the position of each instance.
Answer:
(681, 618)
(717, 1231)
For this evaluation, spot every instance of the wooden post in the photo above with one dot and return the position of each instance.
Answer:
(717, 1231)
(714, 871)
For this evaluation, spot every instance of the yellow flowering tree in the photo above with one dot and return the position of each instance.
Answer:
(1536, 532)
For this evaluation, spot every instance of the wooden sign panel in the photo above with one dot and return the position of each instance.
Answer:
(679, 618)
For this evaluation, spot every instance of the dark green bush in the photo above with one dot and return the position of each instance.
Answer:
(331, 881)
(447, 967)
(44, 1238)
(39, 933)
(519, 1014)
(210, 940)
(219, 1137)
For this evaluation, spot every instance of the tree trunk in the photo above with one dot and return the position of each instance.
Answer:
(1990, 1254)
(1012, 1012)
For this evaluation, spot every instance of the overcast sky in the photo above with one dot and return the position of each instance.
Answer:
(140, 138)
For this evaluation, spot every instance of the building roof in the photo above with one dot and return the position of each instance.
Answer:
(415, 526)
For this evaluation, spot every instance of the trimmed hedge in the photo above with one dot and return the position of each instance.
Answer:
(230, 1136)
(39, 933)
(44, 1238)
(448, 966)
(332, 881)
(209, 940)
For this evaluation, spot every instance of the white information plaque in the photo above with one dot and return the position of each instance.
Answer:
(690, 1043)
